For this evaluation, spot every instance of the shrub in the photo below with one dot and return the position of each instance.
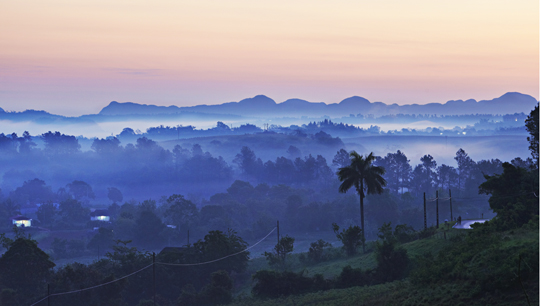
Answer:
(316, 250)
(351, 238)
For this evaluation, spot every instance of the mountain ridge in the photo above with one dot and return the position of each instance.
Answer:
(263, 106)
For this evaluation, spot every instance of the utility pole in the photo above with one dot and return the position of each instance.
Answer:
(437, 199)
(154, 274)
(278, 232)
(48, 295)
(450, 195)
(425, 215)
(188, 237)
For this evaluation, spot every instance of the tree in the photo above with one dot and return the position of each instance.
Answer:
(217, 244)
(72, 211)
(8, 209)
(366, 178)
(284, 247)
(341, 159)
(316, 250)
(531, 123)
(513, 196)
(181, 212)
(46, 213)
(103, 240)
(429, 165)
(294, 152)
(351, 238)
(114, 195)
(56, 143)
(248, 162)
(106, 146)
(33, 191)
(24, 266)
(26, 143)
(465, 167)
(446, 175)
(80, 189)
(148, 228)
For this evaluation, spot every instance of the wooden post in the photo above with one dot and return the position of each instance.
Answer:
(437, 209)
(154, 274)
(425, 215)
(450, 195)
(278, 232)
(48, 295)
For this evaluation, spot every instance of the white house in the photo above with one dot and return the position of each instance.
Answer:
(21, 221)
(100, 215)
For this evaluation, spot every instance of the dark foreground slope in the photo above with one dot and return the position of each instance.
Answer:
(472, 269)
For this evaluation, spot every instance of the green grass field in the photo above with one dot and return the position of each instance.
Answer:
(403, 292)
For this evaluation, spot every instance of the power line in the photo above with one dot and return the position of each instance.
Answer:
(152, 264)
(212, 261)
(93, 287)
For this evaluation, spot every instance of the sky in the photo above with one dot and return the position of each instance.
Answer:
(72, 57)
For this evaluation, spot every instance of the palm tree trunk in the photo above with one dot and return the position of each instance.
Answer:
(362, 222)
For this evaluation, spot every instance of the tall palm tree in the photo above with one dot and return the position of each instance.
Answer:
(366, 178)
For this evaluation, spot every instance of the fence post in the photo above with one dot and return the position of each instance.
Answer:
(450, 195)
(425, 216)
(154, 274)
(278, 232)
(437, 201)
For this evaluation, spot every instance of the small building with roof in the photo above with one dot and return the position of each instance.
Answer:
(100, 215)
(21, 221)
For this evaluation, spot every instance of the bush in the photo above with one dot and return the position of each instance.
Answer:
(392, 262)
(350, 277)
(316, 250)
(351, 238)
(281, 252)
(404, 233)
(272, 284)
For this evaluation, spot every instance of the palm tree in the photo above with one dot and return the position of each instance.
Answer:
(366, 178)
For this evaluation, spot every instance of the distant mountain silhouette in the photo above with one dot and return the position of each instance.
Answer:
(263, 106)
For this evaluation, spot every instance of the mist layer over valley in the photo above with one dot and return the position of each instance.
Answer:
(170, 183)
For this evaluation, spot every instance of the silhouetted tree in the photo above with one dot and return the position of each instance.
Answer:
(351, 238)
(465, 167)
(181, 212)
(32, 192)
(25, 266)
(514, 196)
(531, 123)
(341, 159)
(429, 165)
(106, 146)
(366, 179)
(114, 195)
(294, 152)
(80, 189)
(58, 144)
(46, 213)
(248, 162)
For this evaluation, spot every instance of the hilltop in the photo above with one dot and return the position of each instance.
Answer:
(263, 106)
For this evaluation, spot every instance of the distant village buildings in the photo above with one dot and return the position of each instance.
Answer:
(21, 221)
(100, 215)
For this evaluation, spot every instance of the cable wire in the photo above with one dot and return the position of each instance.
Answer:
(96, 286)
(162, 263)
(211, 261)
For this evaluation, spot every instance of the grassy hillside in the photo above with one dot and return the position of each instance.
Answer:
(483, 275)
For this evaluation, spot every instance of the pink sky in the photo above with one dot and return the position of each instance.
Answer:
(74, 57)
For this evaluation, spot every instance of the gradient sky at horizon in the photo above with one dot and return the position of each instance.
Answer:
(74, 57)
